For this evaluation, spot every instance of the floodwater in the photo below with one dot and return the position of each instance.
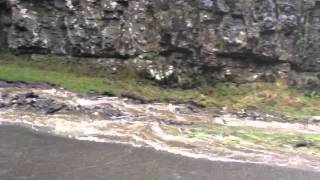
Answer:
(158, 126)
(26, 154)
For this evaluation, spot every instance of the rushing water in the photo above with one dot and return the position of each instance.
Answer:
(161, 126)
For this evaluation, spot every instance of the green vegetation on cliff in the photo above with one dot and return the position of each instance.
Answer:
(81, 75)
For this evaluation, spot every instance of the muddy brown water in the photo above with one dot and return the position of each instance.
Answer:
(155, 125)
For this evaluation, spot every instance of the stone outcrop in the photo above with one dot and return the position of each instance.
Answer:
(176, 41)
(5, 23)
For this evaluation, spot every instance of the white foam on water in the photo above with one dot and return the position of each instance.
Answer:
(139, 127)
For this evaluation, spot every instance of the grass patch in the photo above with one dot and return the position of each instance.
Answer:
(312, 94)
(256, 136)
(83, 75)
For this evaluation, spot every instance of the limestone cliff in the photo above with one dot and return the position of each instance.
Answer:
(176, 41)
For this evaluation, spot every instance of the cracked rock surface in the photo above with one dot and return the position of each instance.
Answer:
(175, 41)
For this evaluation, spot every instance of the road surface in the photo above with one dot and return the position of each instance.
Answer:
(27, 155)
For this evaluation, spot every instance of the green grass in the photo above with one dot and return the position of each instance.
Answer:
(312, 94)
(83, 75)
(67, 80)
(248, 136)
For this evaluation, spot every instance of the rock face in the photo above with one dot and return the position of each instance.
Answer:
(176, 41)
(5, 23)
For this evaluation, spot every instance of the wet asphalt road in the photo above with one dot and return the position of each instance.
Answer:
(28, 155)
